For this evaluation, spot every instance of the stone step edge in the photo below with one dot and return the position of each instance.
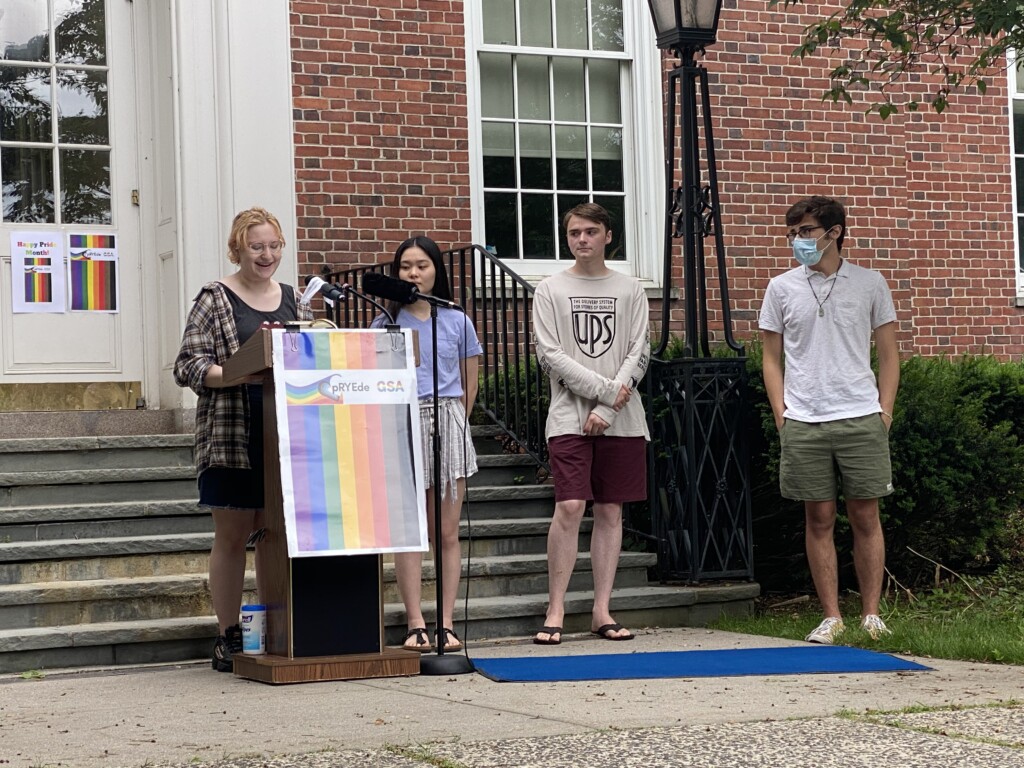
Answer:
(100, 511)
(95, 476)
(142, 474)
(22, 551)
(115, 510)
(134, 587)
(98, 443)
(163, 440)
(71, 636)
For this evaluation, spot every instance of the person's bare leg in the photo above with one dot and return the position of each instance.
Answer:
(563, 548)
(451, 557)
(868, 551)
(605, 547)
(409, 576)
(821, 553)
(231, 530)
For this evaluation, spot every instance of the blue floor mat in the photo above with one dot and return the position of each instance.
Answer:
(798, 660)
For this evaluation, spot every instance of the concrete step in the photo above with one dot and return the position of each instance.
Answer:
(101, 486)
(71, 560)
(197, 522)
(493, 501)
(178, 639)
(489, 537)
(179, 595)
(20, 523)
(504, 469)
(71, 453)
(98, 601)
(115, 510)
(505, 575)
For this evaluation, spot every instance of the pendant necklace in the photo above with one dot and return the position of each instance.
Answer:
(821, 303)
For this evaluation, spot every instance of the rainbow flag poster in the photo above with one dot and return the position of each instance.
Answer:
(349, 432)
(92, 273)
(37, 272)
(38, 286)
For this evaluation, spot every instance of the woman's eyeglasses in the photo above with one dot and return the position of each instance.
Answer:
(259, 248)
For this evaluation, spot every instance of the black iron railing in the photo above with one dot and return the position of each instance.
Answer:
(698, 475)
(513, 390)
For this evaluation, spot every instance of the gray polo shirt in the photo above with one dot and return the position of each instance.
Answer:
(826, 325)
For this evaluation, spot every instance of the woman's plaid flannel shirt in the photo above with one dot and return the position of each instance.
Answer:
(222, 414)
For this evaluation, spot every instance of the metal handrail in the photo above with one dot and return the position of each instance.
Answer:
(513, 390)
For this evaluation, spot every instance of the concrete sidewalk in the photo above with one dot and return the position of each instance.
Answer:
(189, 715)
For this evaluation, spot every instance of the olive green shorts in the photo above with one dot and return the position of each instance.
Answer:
(812, 454)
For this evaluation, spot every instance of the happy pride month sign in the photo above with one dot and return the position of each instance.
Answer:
(37, 272)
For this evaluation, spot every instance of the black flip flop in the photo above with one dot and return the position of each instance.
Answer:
(448, 631)
(422, 640)
(549, 631)
(602, 632)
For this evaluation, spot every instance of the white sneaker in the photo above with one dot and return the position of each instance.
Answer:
(874, 626)
(827, 632)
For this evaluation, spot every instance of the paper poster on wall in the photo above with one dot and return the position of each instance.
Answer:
(37, 272)
(92, 273)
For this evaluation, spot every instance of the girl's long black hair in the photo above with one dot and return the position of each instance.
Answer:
(442, 288)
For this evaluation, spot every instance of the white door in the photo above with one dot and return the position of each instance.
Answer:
(69, 164)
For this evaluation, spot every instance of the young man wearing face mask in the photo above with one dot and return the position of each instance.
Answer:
(829, 409)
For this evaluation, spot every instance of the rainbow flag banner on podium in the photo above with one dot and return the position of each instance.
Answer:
(349, 431)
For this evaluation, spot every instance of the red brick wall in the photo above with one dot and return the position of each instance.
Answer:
(928, 196)
(381, 153)
(380, 127)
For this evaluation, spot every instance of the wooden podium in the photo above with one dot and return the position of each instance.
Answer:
(325, 615)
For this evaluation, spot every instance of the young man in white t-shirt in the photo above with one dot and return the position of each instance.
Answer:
(828, 408)
(590, 325)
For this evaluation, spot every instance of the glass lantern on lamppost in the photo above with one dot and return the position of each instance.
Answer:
(699, 484)
(685, 24)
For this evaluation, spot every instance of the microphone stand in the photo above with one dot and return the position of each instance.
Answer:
(452, 663)
(349, 289)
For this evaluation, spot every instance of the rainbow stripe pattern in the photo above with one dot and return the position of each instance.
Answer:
(347, 460)
(91, 241)
(309, 394)
(38, 286)
(93, 282)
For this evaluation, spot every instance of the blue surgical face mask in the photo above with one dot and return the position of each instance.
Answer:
(806, 251)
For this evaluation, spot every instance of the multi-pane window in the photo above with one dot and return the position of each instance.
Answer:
(551, 80)
(1017, 91)
(54, 131)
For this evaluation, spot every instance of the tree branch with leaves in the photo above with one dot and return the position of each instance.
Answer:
(958, 44)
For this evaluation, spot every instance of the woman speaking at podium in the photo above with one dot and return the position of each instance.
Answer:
(229, 419)
(418, 261)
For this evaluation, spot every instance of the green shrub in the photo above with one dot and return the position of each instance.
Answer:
(957, 461)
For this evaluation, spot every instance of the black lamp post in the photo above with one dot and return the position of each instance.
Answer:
(686, 27)
(699, 487)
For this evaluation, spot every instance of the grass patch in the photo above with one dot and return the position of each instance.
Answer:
(975, 618)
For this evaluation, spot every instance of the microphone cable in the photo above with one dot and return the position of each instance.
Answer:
(467, 434)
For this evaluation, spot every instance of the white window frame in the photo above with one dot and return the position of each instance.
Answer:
(643, 142)
(1012, 97)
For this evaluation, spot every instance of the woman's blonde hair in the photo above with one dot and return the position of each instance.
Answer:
(239, 237)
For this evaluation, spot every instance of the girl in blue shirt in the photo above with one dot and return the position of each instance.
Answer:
(418, 260)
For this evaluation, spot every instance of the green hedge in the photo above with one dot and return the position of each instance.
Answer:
(957, 444)
(958, 469)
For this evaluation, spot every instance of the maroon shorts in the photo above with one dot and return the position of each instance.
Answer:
(598, 468)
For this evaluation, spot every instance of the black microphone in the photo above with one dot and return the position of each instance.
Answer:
(402, 291)
(328, 291)
(390, 288)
